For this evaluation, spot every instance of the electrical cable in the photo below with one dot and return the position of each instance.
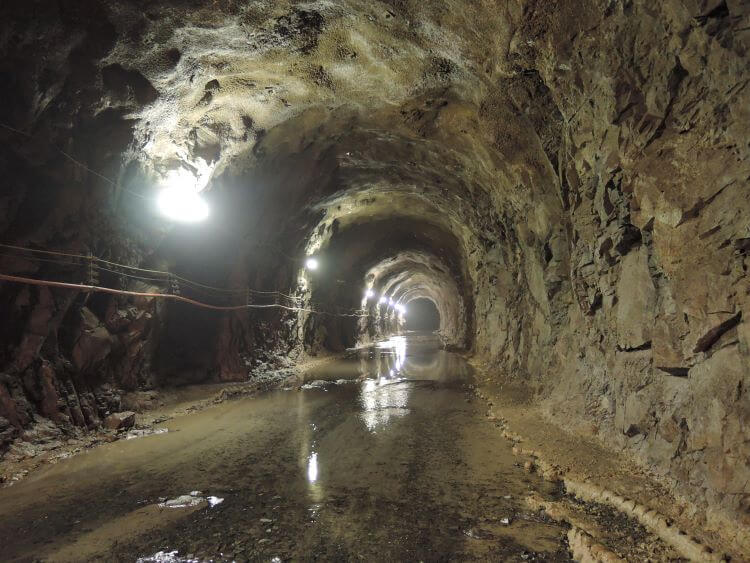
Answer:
(76, 162)
(94, 288)
(48, 252)
(205, 292)
(141, 278)
(166, 277)
(136, 269)
(33, 258)
(115, 272)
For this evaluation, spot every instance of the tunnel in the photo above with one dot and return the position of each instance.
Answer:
(387, 280)
(423, 315)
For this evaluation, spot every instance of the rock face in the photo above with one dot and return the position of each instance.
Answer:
(566, 180)
(636, 299)
(120, 420)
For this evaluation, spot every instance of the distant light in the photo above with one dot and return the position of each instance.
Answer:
(369, 294)
(180, 198)
(391, 303)
(311, 264)
(401, 309)
(383, 299)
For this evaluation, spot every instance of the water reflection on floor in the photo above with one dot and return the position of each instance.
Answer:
(388, 374)
(388, 361)
(382, 456)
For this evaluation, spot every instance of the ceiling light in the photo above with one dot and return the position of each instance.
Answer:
(180, 199)
(391, 303)
(383, 299)
(311, 263)
(369, 293)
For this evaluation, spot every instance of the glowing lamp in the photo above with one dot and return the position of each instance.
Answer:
(383, 299)
(311, 263)
(180, 198)
(369, 294)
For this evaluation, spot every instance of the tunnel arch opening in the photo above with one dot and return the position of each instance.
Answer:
(373, 265)
(423, 316)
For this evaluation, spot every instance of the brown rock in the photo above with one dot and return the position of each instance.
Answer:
(120, 420)
(93, 344)
(637, 299)
(49, 397)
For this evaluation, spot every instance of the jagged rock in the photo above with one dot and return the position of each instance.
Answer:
(36, 329)
(626, 238)
(7, 433)
(94, 342)
(636, 302)
(49, 400)
(120, 420)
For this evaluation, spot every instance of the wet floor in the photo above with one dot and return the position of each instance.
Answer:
(384, 456)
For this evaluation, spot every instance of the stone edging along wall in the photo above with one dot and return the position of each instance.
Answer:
(688, 546)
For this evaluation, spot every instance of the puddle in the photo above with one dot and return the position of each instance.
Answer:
(381, 456)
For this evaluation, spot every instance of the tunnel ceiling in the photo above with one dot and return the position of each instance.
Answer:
(322, 117)
(312, 114)
(311, 125)
(386, 98)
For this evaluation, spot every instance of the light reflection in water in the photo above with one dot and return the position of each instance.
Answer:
(382, 379)
(312, 467)
(383, 400)
(386, 397)
(398, 345)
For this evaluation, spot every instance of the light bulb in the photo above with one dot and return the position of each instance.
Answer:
(180, 199)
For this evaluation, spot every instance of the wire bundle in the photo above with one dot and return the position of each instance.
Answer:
(96, 272)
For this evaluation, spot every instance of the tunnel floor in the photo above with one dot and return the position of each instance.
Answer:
(385, 455)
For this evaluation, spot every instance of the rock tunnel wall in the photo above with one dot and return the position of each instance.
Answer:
(564, 177)
(652, 171)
